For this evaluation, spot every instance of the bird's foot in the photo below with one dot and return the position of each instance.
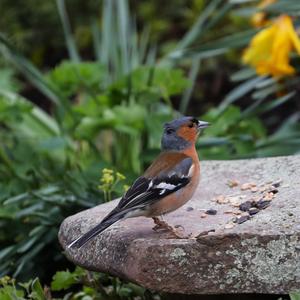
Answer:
(159, 224)
(162, 225)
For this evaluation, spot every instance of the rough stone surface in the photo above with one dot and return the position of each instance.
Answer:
(261, 255)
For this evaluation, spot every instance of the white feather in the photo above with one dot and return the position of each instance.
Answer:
(150, 185)
(135, 213)
(161, 192)
(70, 245)
(167, 186)
(191, 170)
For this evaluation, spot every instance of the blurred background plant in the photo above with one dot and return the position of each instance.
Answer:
(89, 90)
(92, 286)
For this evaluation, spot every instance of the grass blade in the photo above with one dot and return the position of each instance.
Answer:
(72, 49)
(232, 41)
(30, 72)
(240, 91)
(196, 30)
(37, 116)
(279, 101)
(96, 40)
(123, 33)
(188, 92)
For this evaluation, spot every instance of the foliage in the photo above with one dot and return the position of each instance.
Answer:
(232, 135)
(108, 113)
(95, 285)
(59, 177)
(65, 151)
(79, 284)
(270, 96)
(295, 295)
(24, 23)
(109, 182)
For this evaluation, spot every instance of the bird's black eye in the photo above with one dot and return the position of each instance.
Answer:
(191, 125)
(169, 130)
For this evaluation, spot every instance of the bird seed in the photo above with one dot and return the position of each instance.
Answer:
(211, 212)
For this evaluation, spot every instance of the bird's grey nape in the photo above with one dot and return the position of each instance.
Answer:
(173, 142)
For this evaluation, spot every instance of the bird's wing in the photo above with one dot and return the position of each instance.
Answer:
(161, 179)
(148, 189)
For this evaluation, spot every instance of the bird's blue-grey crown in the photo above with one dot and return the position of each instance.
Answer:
(171, 140)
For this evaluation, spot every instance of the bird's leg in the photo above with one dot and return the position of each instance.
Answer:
(160, 224)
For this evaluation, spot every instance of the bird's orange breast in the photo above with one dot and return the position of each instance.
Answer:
(178, 198)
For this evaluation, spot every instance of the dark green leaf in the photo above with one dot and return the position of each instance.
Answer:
(63, 280)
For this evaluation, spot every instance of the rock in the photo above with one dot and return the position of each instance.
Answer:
(260, 255)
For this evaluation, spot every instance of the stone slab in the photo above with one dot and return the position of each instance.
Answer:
(261, 255)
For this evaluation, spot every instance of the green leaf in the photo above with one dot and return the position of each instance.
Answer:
(30, 71)
(284, 6)
(235, 40)
(295, 295)
(30, 242)
(37, 290)
(188, 92)
(243, 74)
(221, 125)
(240, 91)
(96, 39)
(31, 118)
(16, 199)
(8, 80)
(29, 210)
(71, 78)
(9, 292)
(63, 280)
(197, 28)
(265, 92)
(277, 102)
(7, 251)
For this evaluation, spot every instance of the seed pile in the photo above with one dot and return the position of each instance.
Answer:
(251, 199)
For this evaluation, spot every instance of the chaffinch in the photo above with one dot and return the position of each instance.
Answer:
(167, 184)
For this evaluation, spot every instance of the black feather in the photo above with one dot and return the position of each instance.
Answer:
(143, 192)
(106, 222)
(138, 187)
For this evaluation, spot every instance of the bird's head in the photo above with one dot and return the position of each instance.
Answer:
(181, 133)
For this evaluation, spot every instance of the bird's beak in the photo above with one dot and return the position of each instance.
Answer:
(202, 124)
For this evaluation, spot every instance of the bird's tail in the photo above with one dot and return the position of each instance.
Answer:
(106, 222)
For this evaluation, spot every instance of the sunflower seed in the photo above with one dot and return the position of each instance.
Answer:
(241, 219)
(232, 183)
(253, 211)
(262, 204)
(277, 183)
(245, 206)
(211, 212)
(229, 225)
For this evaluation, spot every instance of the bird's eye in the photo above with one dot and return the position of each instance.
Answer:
(169, 130)
(191, 125)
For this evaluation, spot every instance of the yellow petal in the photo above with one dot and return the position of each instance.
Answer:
(260, 46)
(258, 19)
(287, 24)
(269, 50)
(266, 3)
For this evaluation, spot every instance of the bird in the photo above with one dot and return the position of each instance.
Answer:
(168, 183)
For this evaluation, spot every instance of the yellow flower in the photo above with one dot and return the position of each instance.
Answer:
(269, 50)
(120, 176)
(259, 19)
(107, 171)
